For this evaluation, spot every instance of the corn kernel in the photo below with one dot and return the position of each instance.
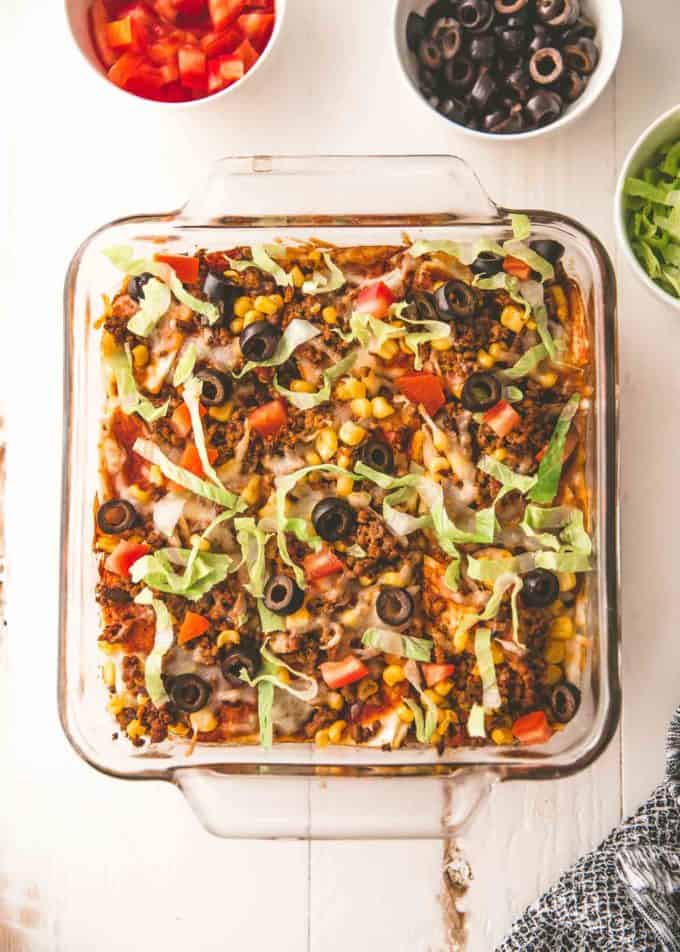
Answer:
(236, 325)
(283, 675)
(417, 446)
(500, 454)
(393, 674)
(250, 494)
(373, 383)
(336, 702)
(116, 704)
(497, 351)
(562, 628)
(156, 476)
(344, 458)
(203, 545)
(108, 647)
(350, 389)
(361, 408)
(367, 688)
(567, 581)
(222, 414)
(326, 443)
(433, 696)
(365, 581)
(460, 640)
(484, 359)
(135, 729)
(532, 325)
(497, 653)
(265, 306)
(106, 543)
(312, 458)
(351, 434)
(444, 687)
(109, 674)
(336, 730)
(330, 315)
(251, 317)
(140, 355)
(548, 379)
(559, 300)
(179, 729)
(443, 344)
(388, 350)
(109, 345)
(513, 318)
(554, 652)
(405, 714)
(141, 495)
(228, 636)
(502, 736)
(321, 738)
(344, 485)
(302, 386)
(242, 305)
(439, 464)
(381, 408)
(276, 300)
(553, 674)
(392, 578)
(203, 721)
(297, 277)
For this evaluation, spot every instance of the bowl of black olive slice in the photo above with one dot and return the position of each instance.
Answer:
(508, 69)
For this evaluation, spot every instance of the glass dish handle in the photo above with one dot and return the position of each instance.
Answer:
(333, 808)
(271, 190)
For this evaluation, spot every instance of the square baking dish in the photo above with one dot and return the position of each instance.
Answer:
(296, 789)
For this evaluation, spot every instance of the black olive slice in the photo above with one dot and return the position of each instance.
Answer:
(189, 693)
(476, 15)
(513, 122)
(547, 9)
(519, 82)
(430, 54)
(428, 82)
(415, 30)
(456, 299)
(487, 262)
(217, 387)
(582, 55)
(334, 519)
(568, 14)
(494, 121)
(540, 588)
(542, 39)
(565, 700)
(512, 40)
(482, 49)
(378, 455)
(460, 74)
(546, 66)
(136, 285)
(115, 516)
(456, 110)
(544, 108)
(481, 391)
(437, 10)
(573, 85)
(282, 595)
(259, 341)
(447, 33)
(552, 251)
(244, 655)
(220, 291)
(394, 605)
(422, 307)
(482, 91)
(510, 7)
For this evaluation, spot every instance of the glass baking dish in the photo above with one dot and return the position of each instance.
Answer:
(297, 790)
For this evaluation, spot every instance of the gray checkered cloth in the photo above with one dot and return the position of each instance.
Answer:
(625, 895)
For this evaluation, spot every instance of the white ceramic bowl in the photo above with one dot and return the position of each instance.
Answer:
(77, 15)
(664, 129)
(607, 16)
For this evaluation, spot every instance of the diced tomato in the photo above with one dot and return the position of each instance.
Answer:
(502, 418)
(180, 420)
(192, 461)
(434, 673)
(192, 63)
(422, 387)
(223, 71)
(322, 563)
(185, 268)
(337, 674)
(247, 53)
(163, 52)
(191, 8)
(519, 269)
(166, 9)
(213, 44)
(258, 27)
(268, 419)
(569, 447)
(375, 299)
(125, 68)
(119, 32)
(124, 556)
(98, 23)
(192, 627)
(532, 728)
(224, 12)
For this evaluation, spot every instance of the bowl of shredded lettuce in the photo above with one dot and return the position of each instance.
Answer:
(647, 209)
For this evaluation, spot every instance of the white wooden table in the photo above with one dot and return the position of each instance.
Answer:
(88, 863)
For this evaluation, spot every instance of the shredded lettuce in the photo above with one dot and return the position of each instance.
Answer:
(505, 476)
(156, 299)
(306, 401)
(323, 284)
(501, 586)
(465, 253)
(265, 703)
(206, 308)
(563, 561)
(475, 721)
(297, 333)
(264, 262)
(163, 639)
(372, 333)
(550, 467)
(487, 669)
(425, 726)
(512, 394)
(192, 393)
(185, 366)
(517, 249)
(131, 400)
(199, 571)
(253, 543)
(567, 519)
(269, 621)
(122, 257)
(448, 534)
(217, 494)
(356, 551)
(392, 642)
(489, 570)
(521, 227)
(527, 362)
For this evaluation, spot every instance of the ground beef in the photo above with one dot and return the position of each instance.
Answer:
(375, 538)
(132, 673)
(322, 717)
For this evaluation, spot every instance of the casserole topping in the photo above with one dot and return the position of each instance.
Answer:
(342, 494)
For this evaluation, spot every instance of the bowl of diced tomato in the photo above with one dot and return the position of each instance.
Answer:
(175, 51)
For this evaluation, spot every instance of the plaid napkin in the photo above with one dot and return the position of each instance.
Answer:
(625, 895)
